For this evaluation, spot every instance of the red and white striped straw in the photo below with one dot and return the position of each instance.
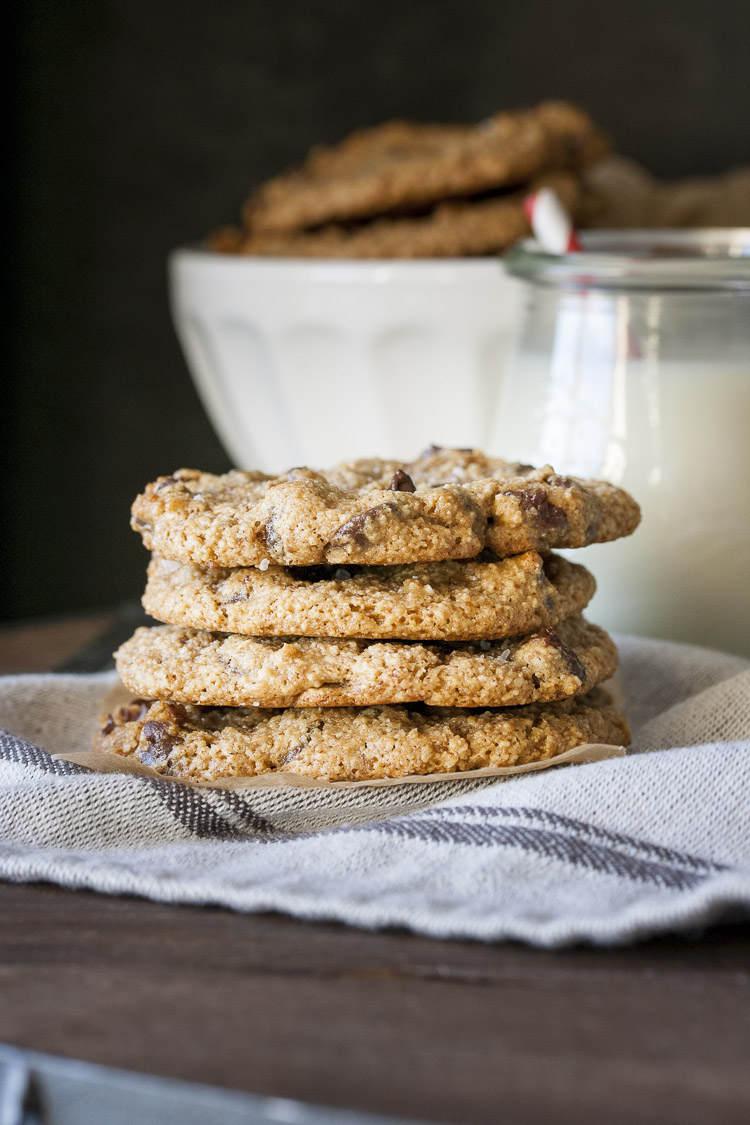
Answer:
(554, 231)
(550, 222)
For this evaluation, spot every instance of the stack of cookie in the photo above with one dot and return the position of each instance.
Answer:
(404, 190)
(377, 620)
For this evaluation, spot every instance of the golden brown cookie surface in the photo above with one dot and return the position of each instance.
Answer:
(185, 665)
(451, 600)
(353, 743)
(447, 504)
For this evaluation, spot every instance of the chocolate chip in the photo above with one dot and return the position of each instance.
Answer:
(535, 680)
(575, 664)
(402, 482)
(357, 527)
(159, 740)
(552, 639)
(535, 499)
(109, 726)
(177, 711)
(428, 452)
(144, 525)
(133, 711)
(529, 498)
(164, 482)
(301, 745)
(273, 539)
(520, 467)
(293, 753)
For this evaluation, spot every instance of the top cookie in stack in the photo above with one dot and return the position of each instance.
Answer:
(405, 190)
(377, 620)
(448, 504)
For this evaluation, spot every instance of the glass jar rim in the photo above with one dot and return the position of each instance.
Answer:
(706, 259)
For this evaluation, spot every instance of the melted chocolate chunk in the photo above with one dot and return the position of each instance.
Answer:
(159, 740)
(535, 499)
(133, 711)
(402, 482)
(357, 527)
(273, 539)
(575, 664)
(301, 745)
(293, 753)
(552, 639)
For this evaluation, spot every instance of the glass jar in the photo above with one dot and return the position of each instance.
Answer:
(633, 365)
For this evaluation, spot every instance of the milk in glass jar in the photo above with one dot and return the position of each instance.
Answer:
(633, 365)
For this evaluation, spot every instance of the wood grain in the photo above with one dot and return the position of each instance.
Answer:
(392, 1023)
(42, 646)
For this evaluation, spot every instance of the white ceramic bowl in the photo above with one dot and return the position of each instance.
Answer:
(309, 363)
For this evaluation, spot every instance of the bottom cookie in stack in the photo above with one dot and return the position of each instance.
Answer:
(354, 743)
(229, 705)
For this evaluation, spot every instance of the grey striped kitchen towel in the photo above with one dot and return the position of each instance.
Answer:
(604, 852)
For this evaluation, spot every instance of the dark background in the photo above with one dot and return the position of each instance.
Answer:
(138, 126)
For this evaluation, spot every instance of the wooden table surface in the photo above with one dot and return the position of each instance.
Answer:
(387, 1022)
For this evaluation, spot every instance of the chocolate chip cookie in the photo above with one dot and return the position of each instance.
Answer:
(401, 166)
(451, 229)
(353, 743)
(195, 666)
(448, 504)
(471, 600)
